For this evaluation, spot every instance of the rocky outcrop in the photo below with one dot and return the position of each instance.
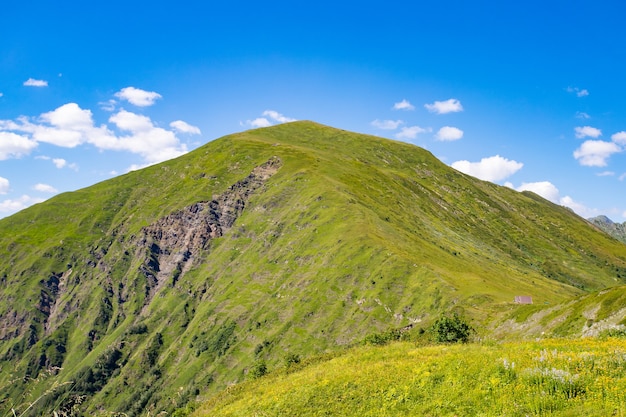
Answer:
(617, 230)
(172, 241)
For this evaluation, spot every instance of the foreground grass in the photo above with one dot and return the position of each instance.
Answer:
(546, 378)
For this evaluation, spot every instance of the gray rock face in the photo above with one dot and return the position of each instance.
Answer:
(172, 241)
(617, 230)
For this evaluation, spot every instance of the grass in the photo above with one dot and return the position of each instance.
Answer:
(556, 377)
(353, 235)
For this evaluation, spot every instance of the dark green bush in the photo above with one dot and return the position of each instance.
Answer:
(258, 369)
(451, 329)
(380, 339)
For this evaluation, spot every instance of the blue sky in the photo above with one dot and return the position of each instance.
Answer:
(531, 95)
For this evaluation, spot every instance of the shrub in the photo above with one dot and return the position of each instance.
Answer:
(291, 360)
(258, 369)
(380, 339)
(452, 329)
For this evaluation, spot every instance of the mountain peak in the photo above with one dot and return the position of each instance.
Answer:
(297, 238)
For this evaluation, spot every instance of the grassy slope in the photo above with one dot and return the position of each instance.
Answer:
(588, 315)
(546, 378)
(354, 234)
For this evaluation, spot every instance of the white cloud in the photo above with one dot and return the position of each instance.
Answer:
(59, 162)
(45, 188)
(259, 122)
(274, 115)
(594, 153)
(132, 122)
(448, 133)
(622, 177)
(578, 91)
(155, 144)
(1, 94)
(493, 168)
(12, 206)
(13, 145)
(606, 174)
(108, 105)
(403, 105)
(69, 116)
(184, 127)
(551, 193)
(543, 188)
(619, 137)
(582, 115)
(410, 132)
(587, 131)
(387, 124)
(137, 96)
(4, 185)
(265, 122)
(31, 82)
(442, 107)
(579, 208)
(70, 126)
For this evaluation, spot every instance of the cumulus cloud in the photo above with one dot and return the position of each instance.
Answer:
(14, 205)
(269, 118)
(59, 162)
(551, 193)
(184, 127)
(31, 82)
(442, 107)
(619, 137)
(594, 153)
(70, 126)
(155, 144)
(410, 132)
(579, 208)
(493, 168)
(403, 105)
(278, 117)
(137, 96)
(4, 185)
(582, 115)
(259, 122)
(587, 131)
(387, 124)
(45, 188)
(13, 145)
(448, 133)
(543, 188)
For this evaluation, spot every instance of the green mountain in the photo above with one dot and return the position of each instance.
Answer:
(617, 230)
(161, 286)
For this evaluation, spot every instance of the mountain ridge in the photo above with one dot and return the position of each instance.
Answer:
(350, 234)
(617, 230)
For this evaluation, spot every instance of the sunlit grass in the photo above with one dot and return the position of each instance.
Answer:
(556, 377)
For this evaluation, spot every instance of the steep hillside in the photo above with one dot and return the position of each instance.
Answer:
(141, 292)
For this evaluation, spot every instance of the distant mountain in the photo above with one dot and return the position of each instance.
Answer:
(617, 230)
(146, 291)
